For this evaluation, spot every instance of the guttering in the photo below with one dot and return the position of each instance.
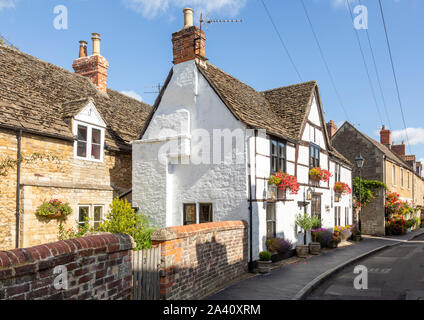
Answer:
(18, 187)
(251, 263)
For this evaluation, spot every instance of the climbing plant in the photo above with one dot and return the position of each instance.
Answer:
(8, 163)
(369, 189)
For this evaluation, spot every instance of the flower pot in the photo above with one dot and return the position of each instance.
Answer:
(356, 238)
(302, 251)
(315, 248)
(333, 244)
(264, 266)
(345, 234)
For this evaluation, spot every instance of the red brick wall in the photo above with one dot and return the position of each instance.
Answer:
(198, 259)
(98, 267)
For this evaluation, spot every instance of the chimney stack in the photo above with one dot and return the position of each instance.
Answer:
(400, 149)
(94, 66)
(385, 137)
(189, 42)
(331, 129)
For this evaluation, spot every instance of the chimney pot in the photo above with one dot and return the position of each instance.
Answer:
(188, 17)
(83, 49)
(96, 44)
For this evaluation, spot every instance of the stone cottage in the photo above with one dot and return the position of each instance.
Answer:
(211, 143)
(383, 164)
(72, 134)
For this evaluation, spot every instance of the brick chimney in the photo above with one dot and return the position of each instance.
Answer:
(399, 149)
(189, 42)
(385, 137)
(331, 129)
(94, 66)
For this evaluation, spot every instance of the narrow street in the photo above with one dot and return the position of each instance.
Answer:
(393, 274)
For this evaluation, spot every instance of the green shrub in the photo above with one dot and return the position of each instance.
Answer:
(123, 219)
(265, 256)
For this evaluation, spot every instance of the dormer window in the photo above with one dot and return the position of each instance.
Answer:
(89, 132)
(89, 145)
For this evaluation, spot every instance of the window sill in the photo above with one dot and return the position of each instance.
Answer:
(89, 160)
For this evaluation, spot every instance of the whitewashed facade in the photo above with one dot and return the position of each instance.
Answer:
(167, 175)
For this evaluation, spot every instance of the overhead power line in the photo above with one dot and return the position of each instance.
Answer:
(282, 41)
(394, 73)
(365, 64)
(325, 61)
(378, 75)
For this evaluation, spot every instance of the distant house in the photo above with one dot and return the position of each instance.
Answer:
(383, 162)
(212, 141)
(75, 134)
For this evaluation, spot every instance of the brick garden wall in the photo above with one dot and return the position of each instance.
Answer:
(199, 259)
(98, 266)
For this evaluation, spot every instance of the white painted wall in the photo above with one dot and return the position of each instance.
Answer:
(161, 185)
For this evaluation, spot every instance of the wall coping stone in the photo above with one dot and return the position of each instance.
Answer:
(172, 233)
(26, 261)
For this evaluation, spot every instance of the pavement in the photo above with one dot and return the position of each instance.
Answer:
(296, 280)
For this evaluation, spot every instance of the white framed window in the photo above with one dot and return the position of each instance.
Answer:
(94, 213)
(197, 213)
(394, 175)
(83, 214)
(98, 215)
(90, 142)
(401, 178)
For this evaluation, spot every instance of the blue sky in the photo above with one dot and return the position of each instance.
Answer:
(136, 40)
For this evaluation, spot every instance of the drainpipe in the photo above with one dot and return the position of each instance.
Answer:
(251, 263)
(18, 187)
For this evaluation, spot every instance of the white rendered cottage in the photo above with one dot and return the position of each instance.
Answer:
(211, 143)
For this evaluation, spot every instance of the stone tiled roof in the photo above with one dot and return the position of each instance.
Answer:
(282, 111)
(39, 97)
(386, 151)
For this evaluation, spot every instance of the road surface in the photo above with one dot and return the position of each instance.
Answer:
(393, 274)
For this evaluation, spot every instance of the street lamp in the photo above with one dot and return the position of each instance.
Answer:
(359, 164)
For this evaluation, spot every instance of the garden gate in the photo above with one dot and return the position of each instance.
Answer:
(146, 274)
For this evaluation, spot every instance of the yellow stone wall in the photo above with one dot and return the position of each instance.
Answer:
(406, 194)
(78, 182)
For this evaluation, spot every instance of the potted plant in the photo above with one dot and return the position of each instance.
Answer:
(264, 263)
(284, 182)
(54, 209)
(341, 189)
(279, 248)
(318, 174)
(335, 240)
(306, 223)
(317, 239)
(357, 236)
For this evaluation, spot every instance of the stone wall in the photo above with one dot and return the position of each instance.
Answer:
(350, 143)
(98, 267)
(199, 259)
(70, 180)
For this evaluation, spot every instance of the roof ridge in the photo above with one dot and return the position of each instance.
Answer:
(379, 145)
(289, 86)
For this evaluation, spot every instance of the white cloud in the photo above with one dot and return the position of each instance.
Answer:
(151, 8)
(415, 136)
(7, 4)
(132, 94)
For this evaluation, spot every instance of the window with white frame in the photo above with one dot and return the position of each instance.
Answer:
(90, 142)
(93, 213)
(394, 175)
(401, 177)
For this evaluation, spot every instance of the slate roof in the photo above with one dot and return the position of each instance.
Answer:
(40, 97)
(281, 111)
